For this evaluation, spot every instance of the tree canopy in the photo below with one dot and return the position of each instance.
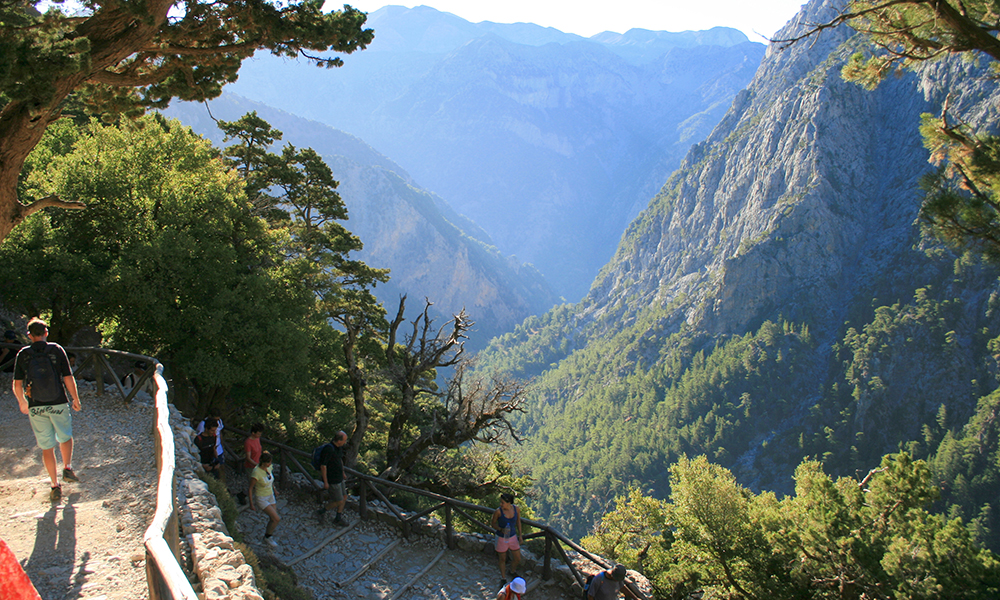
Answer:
(122, 56)
(834, 538)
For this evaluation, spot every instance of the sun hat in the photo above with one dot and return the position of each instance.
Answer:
(517, 586)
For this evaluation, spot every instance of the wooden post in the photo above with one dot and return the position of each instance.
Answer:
(547, 564)
(449, 529)
(99, 375)
(281, 469)
(363, 500)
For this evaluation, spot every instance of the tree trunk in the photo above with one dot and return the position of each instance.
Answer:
(358, 386)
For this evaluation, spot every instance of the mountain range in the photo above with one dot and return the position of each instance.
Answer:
(550, 142)
(431, 251)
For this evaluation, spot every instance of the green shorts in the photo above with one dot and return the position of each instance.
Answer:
(52, 424)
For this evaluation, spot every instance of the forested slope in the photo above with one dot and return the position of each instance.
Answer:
(773, 302)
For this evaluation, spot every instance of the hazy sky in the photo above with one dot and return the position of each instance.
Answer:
(588, 17)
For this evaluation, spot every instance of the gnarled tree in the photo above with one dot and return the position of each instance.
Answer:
(122, 56)
(468, 409)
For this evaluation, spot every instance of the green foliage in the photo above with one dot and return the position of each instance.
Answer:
(626, 421)
(832, 539)
(963, 463)
(169, 258)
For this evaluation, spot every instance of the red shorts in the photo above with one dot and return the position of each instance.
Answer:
(505, 544)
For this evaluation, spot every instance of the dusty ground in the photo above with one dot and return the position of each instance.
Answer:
(89, 544)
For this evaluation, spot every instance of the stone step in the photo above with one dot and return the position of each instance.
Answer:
(369, 559)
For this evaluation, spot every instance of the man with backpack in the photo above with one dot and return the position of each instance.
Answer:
(607, 584)
(331, 469)
(42, 376)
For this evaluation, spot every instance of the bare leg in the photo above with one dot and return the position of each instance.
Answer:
(272, 513)
(49, 459)
(502, 561)
(66, 448)
(517, 560)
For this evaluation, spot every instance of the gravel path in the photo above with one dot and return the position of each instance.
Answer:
(89, 544)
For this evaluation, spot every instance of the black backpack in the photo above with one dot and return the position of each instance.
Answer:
(317, 455)
(42, 377)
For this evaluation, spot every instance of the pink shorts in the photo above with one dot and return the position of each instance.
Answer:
(505, 544)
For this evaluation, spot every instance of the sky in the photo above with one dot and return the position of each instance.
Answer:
(755, 18)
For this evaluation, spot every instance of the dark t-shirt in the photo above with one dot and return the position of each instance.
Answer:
(602, 588)
(62, 364)
(206, 446)
(333, 458)
(7, 354)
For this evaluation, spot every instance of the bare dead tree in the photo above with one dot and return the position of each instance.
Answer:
(465, 411)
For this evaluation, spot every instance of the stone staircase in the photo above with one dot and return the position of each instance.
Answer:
(370, 559)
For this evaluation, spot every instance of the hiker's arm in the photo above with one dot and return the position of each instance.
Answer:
(70, 382)
(322, 471)
(253, 483)
(22, 402)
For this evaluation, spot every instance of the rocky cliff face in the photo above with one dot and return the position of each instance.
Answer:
(801, 198)
(799, 207)
(431, 251)
(550, 142)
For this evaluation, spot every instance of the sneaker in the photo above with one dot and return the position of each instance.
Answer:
(340, 520)
(55, 494)
(270, 541)
(69, 475)
(320, 514)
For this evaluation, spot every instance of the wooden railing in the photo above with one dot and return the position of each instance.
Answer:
(287, 456)
(165, 578)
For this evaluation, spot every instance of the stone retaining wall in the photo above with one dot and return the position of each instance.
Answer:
(220, 567)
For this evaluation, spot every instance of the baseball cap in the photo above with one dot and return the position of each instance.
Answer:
(618, 573)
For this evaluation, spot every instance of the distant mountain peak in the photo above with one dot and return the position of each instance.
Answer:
(427, 29)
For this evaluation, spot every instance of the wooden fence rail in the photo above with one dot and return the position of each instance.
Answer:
(554, 541)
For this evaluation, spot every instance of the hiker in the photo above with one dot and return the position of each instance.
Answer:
(261, 496)
(7, 355)
(218, 435)
(332, 470)
(608, 583)
(205, 441)
(507, 524)
(130, 380)
(42, 376)
(513, 590)
(251, 446)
